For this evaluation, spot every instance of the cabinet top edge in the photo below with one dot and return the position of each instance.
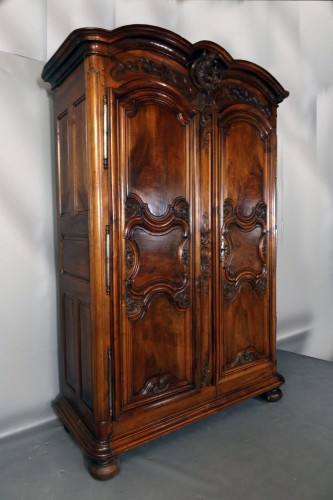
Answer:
(84, 42)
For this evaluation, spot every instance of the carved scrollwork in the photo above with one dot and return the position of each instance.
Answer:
(130, 258)
(205, 371)
(158, 385)
(183, 299)
(144, 278)
(264, 246)
(205, 128)
(150, 67)
(181, 208)
(245, 356)
(224, 248)
(206, 72)
(229, 290)
(241, 261)
(133, 306)
(184, 255)
(243, 95)
(233, 211)
(228, 208)
(133, 208)
(261, 210)
(205, 248)
(261, 285)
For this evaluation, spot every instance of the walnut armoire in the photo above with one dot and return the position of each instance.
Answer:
(166, 169)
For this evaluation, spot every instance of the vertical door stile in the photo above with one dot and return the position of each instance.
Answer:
(195, 183)
(105, 131)
(113, 182)
(219, 196)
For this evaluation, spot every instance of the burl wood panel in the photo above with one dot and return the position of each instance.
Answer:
(156, 165)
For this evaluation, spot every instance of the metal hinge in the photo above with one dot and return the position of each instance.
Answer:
(107, 259)
(110, 380)
(105, 132)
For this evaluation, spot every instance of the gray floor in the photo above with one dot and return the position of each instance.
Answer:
(255, 450)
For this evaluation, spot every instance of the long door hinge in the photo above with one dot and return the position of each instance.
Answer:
(105, 132)
(110, 380)
(107, 259)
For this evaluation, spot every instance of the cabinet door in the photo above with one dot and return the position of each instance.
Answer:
(155, 244)
(246, 240)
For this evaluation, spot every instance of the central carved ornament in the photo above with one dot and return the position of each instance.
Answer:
(202, 84)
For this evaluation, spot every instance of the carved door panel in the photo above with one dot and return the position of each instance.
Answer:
(245, 238)
(155, 172)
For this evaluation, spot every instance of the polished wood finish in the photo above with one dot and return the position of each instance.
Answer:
(166, 167)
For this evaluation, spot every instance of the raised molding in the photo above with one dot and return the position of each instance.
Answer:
(235, 220)
(139, 217)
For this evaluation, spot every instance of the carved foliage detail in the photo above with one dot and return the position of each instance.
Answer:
(206, 72)
(133, 208)
(139, 218)
(185, 255)
(158, 384)
(243, 95)
(237, 269)
(205, 371)
(150, 67)
(245, 356)
(205, 247)
(130, 258)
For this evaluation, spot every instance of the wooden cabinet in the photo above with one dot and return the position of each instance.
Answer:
(166, 168)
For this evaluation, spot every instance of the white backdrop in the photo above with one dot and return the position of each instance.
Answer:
(292, 40)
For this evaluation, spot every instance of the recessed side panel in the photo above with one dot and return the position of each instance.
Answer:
(80, 154)
(68, 314)
(65, 169)
(85, 355)
(73, 244)
(75, 253)
(244, 241)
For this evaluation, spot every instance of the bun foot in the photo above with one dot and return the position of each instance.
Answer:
(273, 395)
(104, 471)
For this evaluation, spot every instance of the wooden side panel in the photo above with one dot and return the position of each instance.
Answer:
(65, 171)
(80, 154)
(69, 341)
(73, 232)
(75, 253)
(245, 241)
(85, 355)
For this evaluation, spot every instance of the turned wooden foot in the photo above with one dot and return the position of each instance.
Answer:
(104, 471)
(273, 395)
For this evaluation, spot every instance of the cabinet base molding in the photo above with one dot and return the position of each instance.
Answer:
(102, 456)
